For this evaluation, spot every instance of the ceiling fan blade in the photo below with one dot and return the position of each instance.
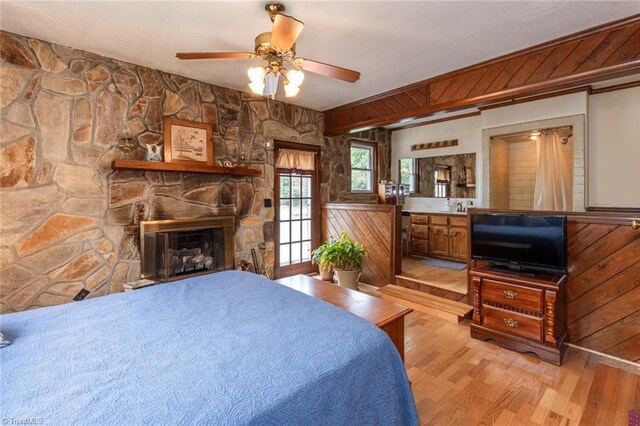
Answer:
(286, 30)
(327, 70)
(215, 55)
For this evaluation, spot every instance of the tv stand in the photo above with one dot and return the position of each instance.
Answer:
(522, 313)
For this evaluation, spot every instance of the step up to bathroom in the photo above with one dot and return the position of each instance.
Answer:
(427, 303)
(456, 292)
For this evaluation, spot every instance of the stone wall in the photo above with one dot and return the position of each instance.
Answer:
(336, 166)
(67, 220)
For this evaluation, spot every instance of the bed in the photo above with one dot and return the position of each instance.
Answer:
(226, 348)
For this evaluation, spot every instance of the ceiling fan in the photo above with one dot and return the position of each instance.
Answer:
(277, 48)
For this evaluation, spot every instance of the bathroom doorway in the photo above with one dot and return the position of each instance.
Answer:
(511, 167)
(532, 170)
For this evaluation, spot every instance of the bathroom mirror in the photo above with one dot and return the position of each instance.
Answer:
(440, 176)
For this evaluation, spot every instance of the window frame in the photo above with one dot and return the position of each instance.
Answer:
(412, 176)
(372, 147)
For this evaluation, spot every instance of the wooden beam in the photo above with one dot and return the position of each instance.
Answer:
(603, 52)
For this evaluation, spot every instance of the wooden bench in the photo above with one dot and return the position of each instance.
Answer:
(386, 315)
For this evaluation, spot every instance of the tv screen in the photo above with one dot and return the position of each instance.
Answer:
(520, 241)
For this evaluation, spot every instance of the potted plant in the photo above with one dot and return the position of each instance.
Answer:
(324, 256)
(347, 260)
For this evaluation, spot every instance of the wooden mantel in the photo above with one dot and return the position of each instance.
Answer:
(157, 166)
(606, 51)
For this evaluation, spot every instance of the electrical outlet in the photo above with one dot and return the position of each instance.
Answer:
(268, 202)
(81, 294)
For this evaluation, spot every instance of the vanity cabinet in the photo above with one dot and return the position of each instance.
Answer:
(522, 313)
(458, 246)
(419, 233)
(439, 235)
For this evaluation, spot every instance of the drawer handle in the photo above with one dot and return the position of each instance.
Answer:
(510, 322)
(510, 294)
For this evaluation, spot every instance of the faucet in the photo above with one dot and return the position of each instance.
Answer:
(459, 207)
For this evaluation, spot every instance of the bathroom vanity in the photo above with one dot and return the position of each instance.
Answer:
(440, 235)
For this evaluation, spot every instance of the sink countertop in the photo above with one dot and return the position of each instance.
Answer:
(434, 212)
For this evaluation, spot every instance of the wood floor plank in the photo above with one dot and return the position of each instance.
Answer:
(457, 380)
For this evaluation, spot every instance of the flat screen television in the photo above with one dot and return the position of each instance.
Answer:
(520, 242)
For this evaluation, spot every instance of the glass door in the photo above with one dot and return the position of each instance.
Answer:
(294, 222)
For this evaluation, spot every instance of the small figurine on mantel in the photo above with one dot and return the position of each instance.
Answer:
(154, 153)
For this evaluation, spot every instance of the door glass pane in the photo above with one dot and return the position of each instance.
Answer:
(295, 186)
(295, 219)
(306, 208)
(306, 251)
(306, 229)
(295, 209)
(295, 230)
(284, 232)
(284, 255)
(306, 186)
(285, 213)
(285, 185)
(295, 252)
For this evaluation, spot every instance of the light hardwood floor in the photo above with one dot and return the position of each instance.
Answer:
(447, 279)
(458, 380)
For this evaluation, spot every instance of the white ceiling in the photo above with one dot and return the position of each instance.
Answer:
(391, 43)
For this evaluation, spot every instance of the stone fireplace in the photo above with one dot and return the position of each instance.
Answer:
(179, 248)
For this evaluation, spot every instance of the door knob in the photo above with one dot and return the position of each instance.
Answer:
(635, 224)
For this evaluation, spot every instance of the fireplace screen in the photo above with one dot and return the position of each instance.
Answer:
(172, 249)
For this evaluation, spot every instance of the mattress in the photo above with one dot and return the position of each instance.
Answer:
(227, 348)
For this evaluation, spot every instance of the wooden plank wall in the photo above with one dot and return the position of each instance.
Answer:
(603, 290)
(377, 227)
(578, 59)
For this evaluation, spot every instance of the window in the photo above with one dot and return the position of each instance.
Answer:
(442, 177)
(362, 167)
(408, 174)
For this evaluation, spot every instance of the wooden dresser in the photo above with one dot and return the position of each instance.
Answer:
(439, 235)
(523, 313)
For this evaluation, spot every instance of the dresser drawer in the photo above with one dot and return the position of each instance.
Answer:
(528, 299)
(458, 221)
(419, 246)
(419, 231)
(420, 219)
(512, 322)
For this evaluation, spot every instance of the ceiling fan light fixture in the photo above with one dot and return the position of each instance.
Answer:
(257, 87)
(290, 90)
(271, 84)
(256, 74)
(295, 77)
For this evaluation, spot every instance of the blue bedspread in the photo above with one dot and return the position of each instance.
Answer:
(227, 348)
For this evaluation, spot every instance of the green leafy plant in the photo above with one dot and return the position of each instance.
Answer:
(324, 256)
(347, 255)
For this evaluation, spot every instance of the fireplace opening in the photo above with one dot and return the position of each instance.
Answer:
(174, 249)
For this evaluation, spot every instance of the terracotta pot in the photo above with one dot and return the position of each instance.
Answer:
(327, 275)
(348, 279)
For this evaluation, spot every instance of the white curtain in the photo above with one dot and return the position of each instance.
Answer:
(292, 159)
(553, 188)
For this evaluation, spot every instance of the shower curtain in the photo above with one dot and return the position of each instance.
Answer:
(553, 190)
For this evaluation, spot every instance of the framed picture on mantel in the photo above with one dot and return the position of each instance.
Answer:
(187, 142)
